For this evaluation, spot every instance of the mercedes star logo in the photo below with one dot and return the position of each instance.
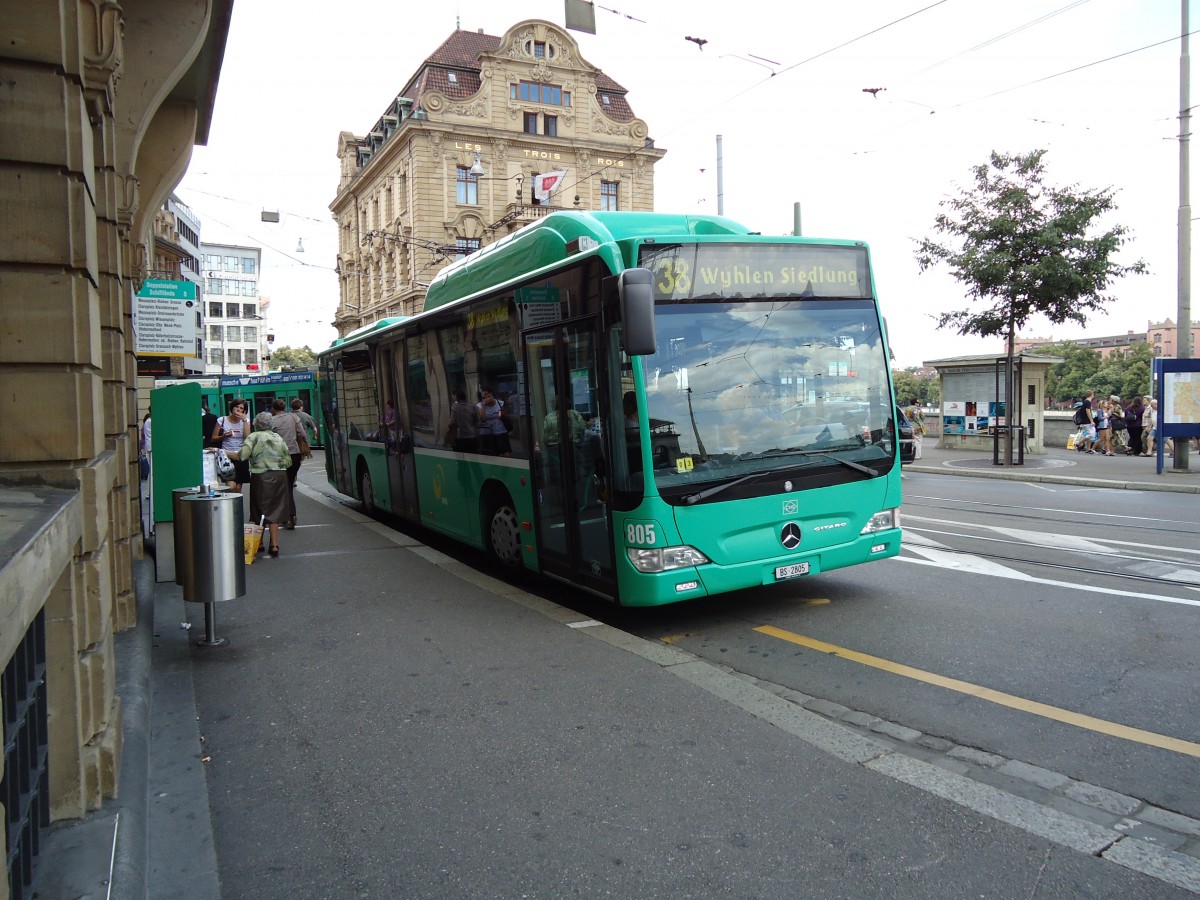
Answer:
(790, 536)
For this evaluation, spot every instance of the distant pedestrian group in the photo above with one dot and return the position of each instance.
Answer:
(1107, 427)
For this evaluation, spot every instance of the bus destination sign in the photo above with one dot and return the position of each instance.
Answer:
(684, 272)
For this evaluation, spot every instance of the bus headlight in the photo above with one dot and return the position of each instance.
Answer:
(665, 559)
(882, 521)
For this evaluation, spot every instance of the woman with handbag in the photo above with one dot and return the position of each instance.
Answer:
(267, 457)
(231, 431)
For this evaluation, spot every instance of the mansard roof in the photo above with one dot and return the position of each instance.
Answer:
(460, 54)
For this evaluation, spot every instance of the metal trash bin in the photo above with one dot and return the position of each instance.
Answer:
(182, 528)
(214, 562)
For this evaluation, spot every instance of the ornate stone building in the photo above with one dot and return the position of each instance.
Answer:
(451, 165)
(102, 103)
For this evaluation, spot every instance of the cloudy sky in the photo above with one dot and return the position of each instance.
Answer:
(1095, 82)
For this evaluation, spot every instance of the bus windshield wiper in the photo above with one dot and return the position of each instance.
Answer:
(848, 463)
(692, 499)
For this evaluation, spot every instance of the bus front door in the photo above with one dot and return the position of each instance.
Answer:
(574, 537)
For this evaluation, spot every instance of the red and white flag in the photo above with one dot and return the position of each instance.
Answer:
(546, 184)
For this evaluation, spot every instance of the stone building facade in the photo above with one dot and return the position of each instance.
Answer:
(450, 166)
(102, 103)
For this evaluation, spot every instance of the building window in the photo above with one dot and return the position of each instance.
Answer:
(608, 195)
(235, 357)
(551, 126)
(536, 92)
(249, 288)
(463, 246)
(231, 264)
(212, 261)
(249, 311)
(216, 310)
(452, 77)
(215, 357)
(214, 332)
(1158, 339)
(468, 186)
(251, 357)
(247, 265)
(250, 334)
(231, 310)
(212, 285)
(539, 49)
(233, 332)
(531, 123)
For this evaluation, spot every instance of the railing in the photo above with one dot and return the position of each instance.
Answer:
(25, 789)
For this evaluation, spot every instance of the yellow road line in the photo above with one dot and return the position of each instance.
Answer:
(965, 687)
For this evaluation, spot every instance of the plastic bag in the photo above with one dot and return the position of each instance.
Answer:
(225, 468)
(251, 540)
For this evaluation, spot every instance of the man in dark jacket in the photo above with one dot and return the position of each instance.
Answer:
(208, 424)
(1133, 423)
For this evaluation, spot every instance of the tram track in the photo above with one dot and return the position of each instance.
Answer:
(1126, 523)
(1076, 569)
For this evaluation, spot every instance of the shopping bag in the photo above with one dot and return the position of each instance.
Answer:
(252, 540)
(1071, 442)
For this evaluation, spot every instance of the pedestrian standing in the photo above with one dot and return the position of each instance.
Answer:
(231, 431)
(1133, 424)
(1116, 418)
(267, 457)
(286, 424)
(1104, 429)
(307, 421)
(1149, 424)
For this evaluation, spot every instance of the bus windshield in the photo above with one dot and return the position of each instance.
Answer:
(743, 386)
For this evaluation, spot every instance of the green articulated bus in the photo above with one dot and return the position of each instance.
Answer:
(652, 407)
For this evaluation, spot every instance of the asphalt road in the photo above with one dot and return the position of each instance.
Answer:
(420, 734)
(1076, 604)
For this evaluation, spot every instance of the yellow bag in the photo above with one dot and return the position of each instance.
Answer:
(1071, 442)
(251, 541)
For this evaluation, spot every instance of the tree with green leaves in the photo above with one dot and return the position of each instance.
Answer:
(293, 358)
(1022, 247)
(908, 386)
(1125, 373)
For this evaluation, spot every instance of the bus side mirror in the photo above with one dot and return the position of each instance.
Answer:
(635, 288)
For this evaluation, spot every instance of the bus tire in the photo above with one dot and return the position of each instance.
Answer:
(366, 490)
(503, 531)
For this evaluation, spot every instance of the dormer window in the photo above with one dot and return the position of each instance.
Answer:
(539, 49)
(604, 100)
(452, 77)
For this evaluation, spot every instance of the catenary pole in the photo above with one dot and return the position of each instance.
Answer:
(1183, 341)
(720, 178)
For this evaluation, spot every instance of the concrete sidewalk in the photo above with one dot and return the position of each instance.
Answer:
(1058, 465)
(163, 823)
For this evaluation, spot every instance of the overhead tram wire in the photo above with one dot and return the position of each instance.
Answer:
(248, 203)
(1000, 37)
(274, 249)
(358, 176)
(727, 100)
(1070, 71)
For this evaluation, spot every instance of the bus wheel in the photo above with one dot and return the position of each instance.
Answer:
(504, 533)
(366, 490)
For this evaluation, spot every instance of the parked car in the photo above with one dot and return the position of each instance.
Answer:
(904, 432)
